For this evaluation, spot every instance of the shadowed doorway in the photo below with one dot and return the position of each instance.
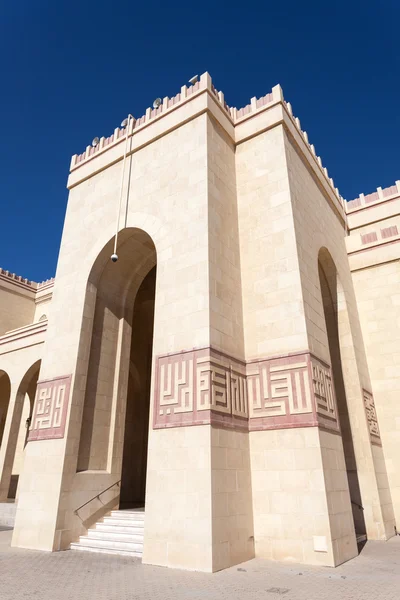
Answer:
(134, 463)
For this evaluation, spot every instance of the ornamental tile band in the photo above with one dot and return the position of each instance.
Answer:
(50, 410)
(200, 387)
(208, 387)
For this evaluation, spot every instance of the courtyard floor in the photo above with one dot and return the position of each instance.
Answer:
(30, 574)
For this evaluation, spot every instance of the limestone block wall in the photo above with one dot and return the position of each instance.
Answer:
(378, 289)
(168, 185)
(300, 491)
(373, 247)
(232, 519)
(232, 507)
(319, 224)
(17, 302)
(179, 499)
(277, 324)
(273, 312)
(226, 314)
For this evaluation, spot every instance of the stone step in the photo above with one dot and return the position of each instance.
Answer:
(125, 528)
(361, 537)
(123, 522)
(96, 534)
(108, 544)
(105, 551)
(120, 532)
(128, 514)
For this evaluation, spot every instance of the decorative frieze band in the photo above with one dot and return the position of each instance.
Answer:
(206, 386)
(372, 419)
(199, 387)
(291, 391)
(50, 409)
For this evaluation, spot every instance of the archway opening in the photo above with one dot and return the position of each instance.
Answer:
(5, 391)
(334, 308)
(134, 462)
(18, 436)
(115, 420)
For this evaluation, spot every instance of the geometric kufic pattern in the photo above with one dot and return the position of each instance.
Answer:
(50, 409)
(199, 386)
(371, 417)
(207, 386)
(279, 387)
(323, 389)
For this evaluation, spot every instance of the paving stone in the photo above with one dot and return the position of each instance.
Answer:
(30, 574)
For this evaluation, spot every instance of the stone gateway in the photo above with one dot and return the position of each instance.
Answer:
(229, 387)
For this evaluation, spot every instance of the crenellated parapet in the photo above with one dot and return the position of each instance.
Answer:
(374, 227)
(24, 282)
(381, 195)
(16, 278)
(167, 105)
(46, 283)
(317, 159)
(235, 116)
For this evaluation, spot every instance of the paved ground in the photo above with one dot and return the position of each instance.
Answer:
(28, 574)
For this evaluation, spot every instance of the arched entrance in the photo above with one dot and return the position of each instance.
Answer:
(5, 391)
(26, 397)
(16, 439)
(134, 462)
(115, 417)
(334, 304)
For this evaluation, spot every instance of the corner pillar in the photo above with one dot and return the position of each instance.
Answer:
(301, 501)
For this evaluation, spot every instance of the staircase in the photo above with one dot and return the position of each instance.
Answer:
(120, 532)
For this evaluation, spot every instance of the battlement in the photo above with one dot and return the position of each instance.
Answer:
(316, 157)
(46, 283)
(374, 227)
(187, 92)
(381, 195)
(234, 115)
(16, 278)
(23, 281)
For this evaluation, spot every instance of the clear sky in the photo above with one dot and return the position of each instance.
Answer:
(72, 70)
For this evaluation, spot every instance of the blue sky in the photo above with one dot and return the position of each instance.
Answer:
(71, 71)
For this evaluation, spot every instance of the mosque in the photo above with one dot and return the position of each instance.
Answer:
(214, 372)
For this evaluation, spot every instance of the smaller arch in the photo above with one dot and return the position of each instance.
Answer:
(32, 374)
(43, 318)
(5, 393)
(18, 435)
